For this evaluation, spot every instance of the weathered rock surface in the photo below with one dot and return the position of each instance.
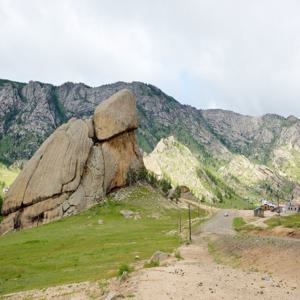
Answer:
(55, 168)
(120, 154)
(72, 170)
(159, 257)
(117, 114)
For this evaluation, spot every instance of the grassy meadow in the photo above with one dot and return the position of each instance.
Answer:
(77, 248)
(291, 221)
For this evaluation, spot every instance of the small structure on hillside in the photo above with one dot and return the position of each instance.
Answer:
(293, 206)
(259, 212)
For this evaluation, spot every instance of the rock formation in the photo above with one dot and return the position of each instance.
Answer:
(232, 182)
(76, 166)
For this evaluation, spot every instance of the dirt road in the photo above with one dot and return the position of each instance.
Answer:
(198, 276)
(219, 224)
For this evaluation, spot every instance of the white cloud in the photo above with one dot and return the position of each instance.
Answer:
(234, 54)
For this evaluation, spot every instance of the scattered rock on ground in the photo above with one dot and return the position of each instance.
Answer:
(124, 276)
(159, 257)
(129, 214)
(112, 296)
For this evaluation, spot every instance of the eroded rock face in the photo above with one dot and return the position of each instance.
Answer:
(73, 169)
(54, 169)
(115, 115)
(120, 154)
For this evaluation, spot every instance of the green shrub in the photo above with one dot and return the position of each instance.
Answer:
(124, 268)
(177, 193)
(238, 223)
(292, 221)
(151, 264)
(144, 175)
(165, 185)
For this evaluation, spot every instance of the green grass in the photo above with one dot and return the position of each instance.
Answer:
(77, 248)
(238, 223)
(292, 221)
(8, 175)
(151, 264)
(124, 268)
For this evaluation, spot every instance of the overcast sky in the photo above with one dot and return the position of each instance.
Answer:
(242, 55)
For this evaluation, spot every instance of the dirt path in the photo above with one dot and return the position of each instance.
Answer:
(220, 224)
(197, 276)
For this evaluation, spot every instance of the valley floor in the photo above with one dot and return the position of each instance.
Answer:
(217, 265)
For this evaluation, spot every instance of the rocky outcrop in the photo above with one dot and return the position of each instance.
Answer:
(117, 114)
(75, 168)
(171, 159)
(239, 179)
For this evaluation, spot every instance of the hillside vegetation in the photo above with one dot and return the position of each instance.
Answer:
(78, 248)
(238, 184)
(7, 177)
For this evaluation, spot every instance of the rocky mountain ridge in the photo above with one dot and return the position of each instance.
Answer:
(29, 113)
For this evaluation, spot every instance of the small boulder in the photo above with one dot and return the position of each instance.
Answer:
(155, 215)
(127, 213)
(159, 257)
(123, 277)
(100, 222)
(112, 296)
(171, 194)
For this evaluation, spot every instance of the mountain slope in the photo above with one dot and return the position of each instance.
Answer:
(237, 183)
(30, 112)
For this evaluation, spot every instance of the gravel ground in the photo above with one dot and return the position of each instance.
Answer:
(219, 224)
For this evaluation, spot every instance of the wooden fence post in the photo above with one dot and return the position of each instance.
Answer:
(190, 224)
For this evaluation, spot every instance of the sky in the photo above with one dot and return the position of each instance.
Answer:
(239, 55)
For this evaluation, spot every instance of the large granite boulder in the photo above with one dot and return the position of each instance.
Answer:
(115, 115)
(54, 169)
(74, 168)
